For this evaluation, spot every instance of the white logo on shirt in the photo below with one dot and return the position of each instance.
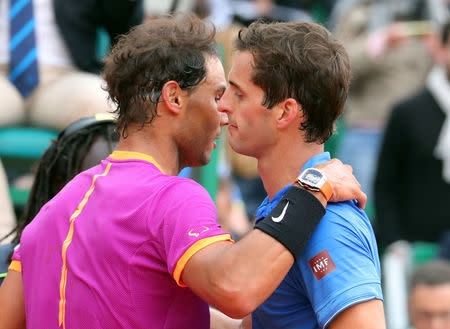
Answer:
(280, 218)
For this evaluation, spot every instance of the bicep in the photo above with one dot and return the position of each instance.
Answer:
(196, 273)
(12, 302)
(366, 315)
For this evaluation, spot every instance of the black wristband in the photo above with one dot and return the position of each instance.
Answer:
(293, 219)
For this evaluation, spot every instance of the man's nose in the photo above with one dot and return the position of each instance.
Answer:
(223, 106)
(223, 119)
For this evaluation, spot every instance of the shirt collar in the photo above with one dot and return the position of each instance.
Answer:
(267, 205)
(124, 155)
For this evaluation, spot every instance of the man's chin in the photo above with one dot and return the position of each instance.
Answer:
(203, 161)
(237, 149)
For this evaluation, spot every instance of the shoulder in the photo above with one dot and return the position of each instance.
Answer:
(79, 184)
(185, 188)
(142, 177)
(183, 195)
(347, 210)
(344, 229)
(342, 218)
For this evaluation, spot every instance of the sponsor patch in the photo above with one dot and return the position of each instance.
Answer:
(321, 264)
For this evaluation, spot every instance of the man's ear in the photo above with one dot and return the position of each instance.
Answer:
(288, 112)
(172, 96)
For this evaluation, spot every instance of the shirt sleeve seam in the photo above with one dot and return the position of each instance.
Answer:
(349, 301)
(192, 250)
(350, 304)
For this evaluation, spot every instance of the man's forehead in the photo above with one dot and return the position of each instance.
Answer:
(215, 74)
(242, 59)
(431, 290)
(241, 72)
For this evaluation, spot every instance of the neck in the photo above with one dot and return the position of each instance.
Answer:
(153, 142)
(281, 167)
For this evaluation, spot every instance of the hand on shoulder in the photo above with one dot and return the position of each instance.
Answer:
(344, 184)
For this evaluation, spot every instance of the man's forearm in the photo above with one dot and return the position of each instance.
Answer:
(237, 278)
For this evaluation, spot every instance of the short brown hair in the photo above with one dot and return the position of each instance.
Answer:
(303, 61)
(433, 273)
(143, 60)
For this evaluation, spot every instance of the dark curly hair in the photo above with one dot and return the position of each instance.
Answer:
(303, 61)
(151, 54)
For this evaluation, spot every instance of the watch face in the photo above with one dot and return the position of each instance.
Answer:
(312, 177)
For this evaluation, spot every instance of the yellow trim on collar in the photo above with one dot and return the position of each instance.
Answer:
(125, 155)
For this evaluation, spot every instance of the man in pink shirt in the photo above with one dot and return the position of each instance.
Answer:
(123, 249)
(128, 244)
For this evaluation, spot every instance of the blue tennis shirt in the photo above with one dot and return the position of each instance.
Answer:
(338, 268)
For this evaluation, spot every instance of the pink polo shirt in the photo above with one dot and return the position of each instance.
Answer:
(109, 249)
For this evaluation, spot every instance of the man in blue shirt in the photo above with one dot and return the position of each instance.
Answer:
(338, 268)
(288, 86)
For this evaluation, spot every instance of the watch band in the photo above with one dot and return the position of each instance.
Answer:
(326, 190)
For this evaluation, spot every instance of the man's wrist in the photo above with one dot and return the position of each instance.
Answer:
(313, 179)
(293, 219)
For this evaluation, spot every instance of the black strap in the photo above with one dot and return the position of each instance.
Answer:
(293, 219)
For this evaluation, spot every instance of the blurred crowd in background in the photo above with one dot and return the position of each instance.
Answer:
(395, 131)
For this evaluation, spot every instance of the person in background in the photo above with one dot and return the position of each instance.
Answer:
(389, 62)
(48, 60)
(80, 22)
(429, 297)
(414, 157)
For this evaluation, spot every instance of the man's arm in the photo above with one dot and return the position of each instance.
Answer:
(12, 303)
(236, 278)
(367, 315)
